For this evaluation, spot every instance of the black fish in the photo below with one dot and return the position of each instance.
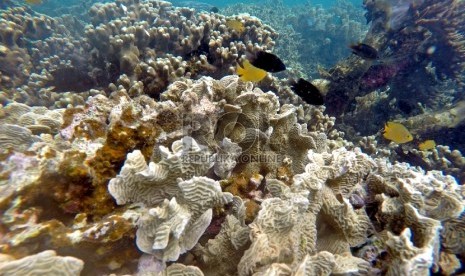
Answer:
(364, 50)
(203, 49)
(368, 17)
(405, 106)
(308, 92)
(70, 79)
(214, 9)
(267, 61)
(412, 158)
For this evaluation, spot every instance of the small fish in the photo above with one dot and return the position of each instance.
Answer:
(248, 72)
(203, 49)
(33, 2)
(267, 61)
(124, 8)
(405, 106)
(308, 92)
(235, 25)
(215, 10)
(397, 133)
(412, 158)
(70, 79)
(427, 145)
(364, 50)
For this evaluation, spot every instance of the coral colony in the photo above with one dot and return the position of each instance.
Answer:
(130, 146)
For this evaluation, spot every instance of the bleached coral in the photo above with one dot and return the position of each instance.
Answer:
(16, 137)
(38, 119)
(152, 183)
(414, 203)
(309, 217)
(171, 228)
(221, 254)
(225, 160)
(46, 263)
(179, 269)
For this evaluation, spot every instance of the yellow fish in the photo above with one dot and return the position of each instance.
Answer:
(235, 25)
(427, 145)
(397, 133)
(248, 72)
(33, 2)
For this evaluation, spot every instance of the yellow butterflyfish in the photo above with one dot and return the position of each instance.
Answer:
(235, 25)
(427, 145)
(248, 72)
(397, 133)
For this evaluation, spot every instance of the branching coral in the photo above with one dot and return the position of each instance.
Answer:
(151, 42)
(158, 32)
(309, 35)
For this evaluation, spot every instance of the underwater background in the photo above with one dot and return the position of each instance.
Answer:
(262, 137)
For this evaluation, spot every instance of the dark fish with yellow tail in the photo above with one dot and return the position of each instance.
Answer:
(267, 61)
(308, 92)
(364, 51)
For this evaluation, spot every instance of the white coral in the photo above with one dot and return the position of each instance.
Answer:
(43, 263)
(173, 228)
(152, 183)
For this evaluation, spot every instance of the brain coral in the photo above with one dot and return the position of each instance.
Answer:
(412, 202)
(139, 182)
(171, 229)
(45, 262)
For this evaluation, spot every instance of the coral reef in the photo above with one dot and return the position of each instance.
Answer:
(151, 42)
(37, 119)
(311, 205)
(170, 165)
(412, 49)
(307, 32)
